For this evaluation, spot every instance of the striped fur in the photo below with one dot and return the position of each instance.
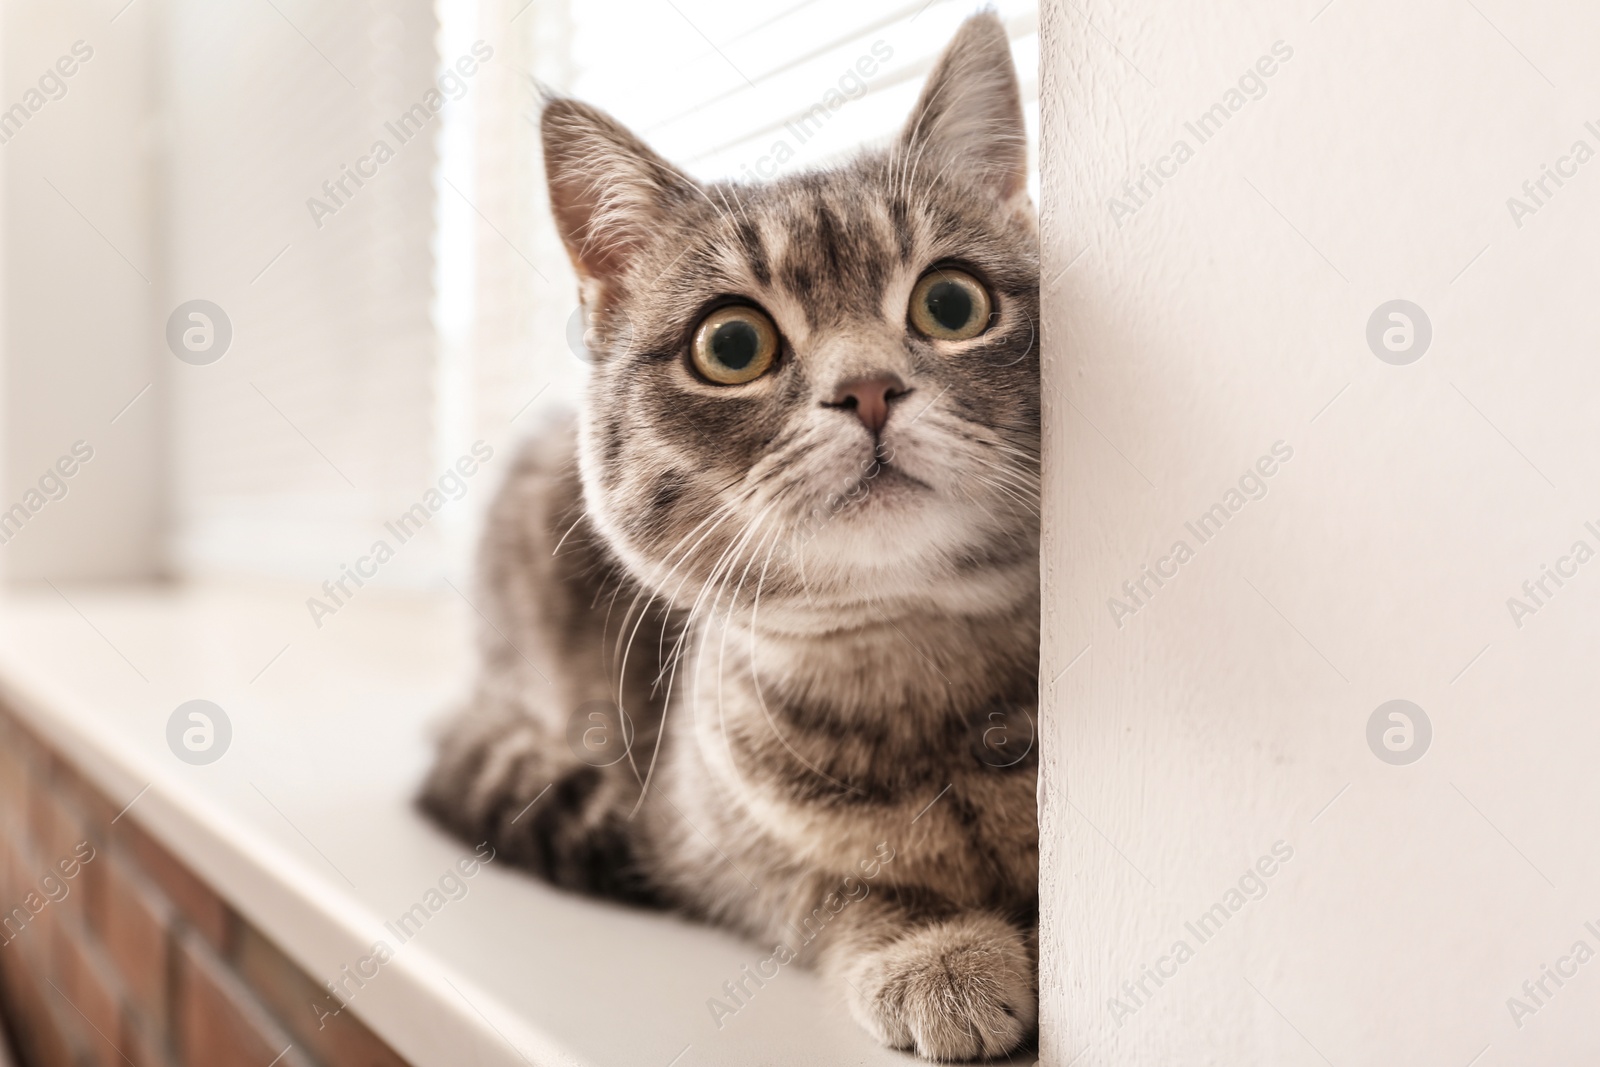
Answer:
(826, 641)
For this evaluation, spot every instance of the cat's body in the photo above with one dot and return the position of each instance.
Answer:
(813, 590)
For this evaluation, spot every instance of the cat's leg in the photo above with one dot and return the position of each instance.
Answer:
(538, 763)
(505, 777)
(950, 985)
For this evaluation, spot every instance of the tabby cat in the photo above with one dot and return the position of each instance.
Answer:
(793, 536)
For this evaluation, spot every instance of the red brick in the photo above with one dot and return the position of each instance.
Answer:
(14, 783)
(43, 767)
(217, 1021)
(47, 1032)
(81, 888)
(35, 943)
(144, 1043)
(195, 900)
(93, 807)
(11, 865)
(30, 932)
(85, 979)
(87, 888)
(48, 824)
(133, 921)
(21, 741)
(59, 837)
(294, 998)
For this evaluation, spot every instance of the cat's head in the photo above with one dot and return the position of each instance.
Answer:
(826, 385)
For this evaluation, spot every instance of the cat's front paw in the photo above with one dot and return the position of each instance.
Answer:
(961, 989)
(487, 769)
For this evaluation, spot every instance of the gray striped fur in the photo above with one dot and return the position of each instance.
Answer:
(826, 642)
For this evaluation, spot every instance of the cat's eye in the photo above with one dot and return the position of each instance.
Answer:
(950, 305)
(734, 345)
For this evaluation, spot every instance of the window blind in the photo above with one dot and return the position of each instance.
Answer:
(741, 90)
(317, 424)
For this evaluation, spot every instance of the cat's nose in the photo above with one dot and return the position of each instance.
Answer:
(869, 398)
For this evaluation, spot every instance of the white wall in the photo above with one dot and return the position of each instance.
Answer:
(80, 270)
(1230, 712)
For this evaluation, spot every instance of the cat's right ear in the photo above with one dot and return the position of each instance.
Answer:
(608, 190)
(970, 113)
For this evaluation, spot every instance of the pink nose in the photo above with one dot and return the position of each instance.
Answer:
(870, 398)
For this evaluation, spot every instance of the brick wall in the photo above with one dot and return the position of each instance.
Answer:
(114, 954)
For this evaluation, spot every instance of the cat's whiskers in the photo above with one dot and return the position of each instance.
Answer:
(620, 651)
(723, 511)
(1011, 494)
(761, 696)
(740, 783)
(910, 163)
(1007, 481)
(622, 668)
(716, 573)
(732, 189)
(668, 660)
(797, 557)
(581, 513)
(961, 424)
(677, 650)
(939, 177)
(721, 212)
(961, 428)
(1019, 478)
(662, 636)
(1028, 457)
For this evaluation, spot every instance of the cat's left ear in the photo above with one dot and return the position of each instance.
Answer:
(970, 112)
(608, 191)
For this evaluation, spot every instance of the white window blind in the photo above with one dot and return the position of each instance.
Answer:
(740, 90)
(316, 427)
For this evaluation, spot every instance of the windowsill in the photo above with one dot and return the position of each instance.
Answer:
(305, 827)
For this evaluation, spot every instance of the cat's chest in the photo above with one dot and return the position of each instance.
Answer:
(952, 796)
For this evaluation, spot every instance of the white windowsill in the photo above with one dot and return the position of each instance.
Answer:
(333, 736)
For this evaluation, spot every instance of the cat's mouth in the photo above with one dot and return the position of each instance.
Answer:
(886, 477)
